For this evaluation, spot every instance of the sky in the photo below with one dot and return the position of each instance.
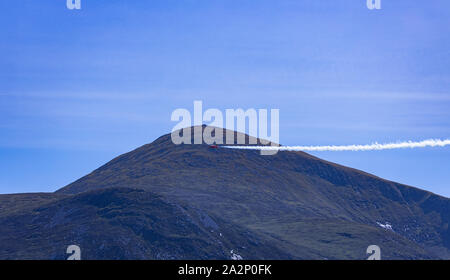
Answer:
(80, 87)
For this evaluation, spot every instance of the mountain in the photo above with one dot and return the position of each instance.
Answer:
(167, 201)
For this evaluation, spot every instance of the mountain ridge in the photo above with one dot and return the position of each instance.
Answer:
(297, 204)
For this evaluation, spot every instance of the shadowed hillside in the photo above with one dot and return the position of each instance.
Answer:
(191, 201)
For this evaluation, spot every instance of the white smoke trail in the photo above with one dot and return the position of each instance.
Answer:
(334, 148)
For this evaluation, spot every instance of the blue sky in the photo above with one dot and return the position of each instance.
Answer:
(78, 88)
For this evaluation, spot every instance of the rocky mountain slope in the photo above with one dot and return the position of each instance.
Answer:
(166, 201)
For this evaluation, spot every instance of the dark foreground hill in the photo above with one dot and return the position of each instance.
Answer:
(166, 201)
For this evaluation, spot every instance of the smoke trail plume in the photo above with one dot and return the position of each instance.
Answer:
(334, 148)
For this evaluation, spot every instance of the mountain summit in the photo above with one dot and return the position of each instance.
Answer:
(167, 201)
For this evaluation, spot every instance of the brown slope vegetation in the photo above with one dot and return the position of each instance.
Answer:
(291, 197)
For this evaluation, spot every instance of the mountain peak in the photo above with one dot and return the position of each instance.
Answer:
(205, 132)
(293, 201)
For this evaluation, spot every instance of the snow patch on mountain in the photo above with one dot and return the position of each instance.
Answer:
(235, 257)
(385, 226)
